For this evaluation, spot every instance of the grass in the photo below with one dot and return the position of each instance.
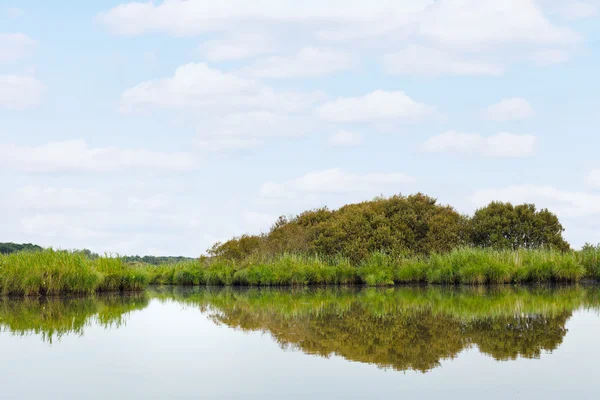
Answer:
(51, 272)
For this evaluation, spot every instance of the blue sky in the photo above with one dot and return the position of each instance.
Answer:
(162, 127)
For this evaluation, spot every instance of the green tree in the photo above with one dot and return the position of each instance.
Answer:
(8, 248)
(505, 226)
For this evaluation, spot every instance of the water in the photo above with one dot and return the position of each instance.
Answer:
(420, 342)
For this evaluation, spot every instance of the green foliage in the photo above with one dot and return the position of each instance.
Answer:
(400, 226)
(504, 226)
(47, 272)
(51, 272)
(8, 248)
(589, 257)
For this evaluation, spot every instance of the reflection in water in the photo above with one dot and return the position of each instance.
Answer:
(51, 318)
(410, 328)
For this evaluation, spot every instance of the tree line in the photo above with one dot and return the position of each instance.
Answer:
(401, 226)
(8, 248)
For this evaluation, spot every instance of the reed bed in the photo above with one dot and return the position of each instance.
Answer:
(51, 272)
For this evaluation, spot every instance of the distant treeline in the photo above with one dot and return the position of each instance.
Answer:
(401, 226)
(8, 248)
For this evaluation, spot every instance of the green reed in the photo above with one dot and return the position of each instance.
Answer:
(51, 272)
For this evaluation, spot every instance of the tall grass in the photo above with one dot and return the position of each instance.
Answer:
(52, 272)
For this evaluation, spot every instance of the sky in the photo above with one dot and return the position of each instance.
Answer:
(163, 127)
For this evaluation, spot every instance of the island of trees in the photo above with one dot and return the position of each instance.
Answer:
(385, 241)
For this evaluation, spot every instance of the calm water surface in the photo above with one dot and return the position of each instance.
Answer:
(420, 342)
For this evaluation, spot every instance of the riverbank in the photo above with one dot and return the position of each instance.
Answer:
(51, 272)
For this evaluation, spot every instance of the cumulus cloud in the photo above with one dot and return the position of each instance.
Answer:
(442, 20)
(237, 47)
(345, 139)
(225, 143)
(376, 106)
(37, 197)
(490, 22)
(14, 46)
(565, 203)
(20, 92)
(420, 60)
(511, 109)
(332, 181)
(84, 199)
(308, 62)
(550, 56)
(245, 130)
(77, 156)
(200, 86)
(183, 17)
(455, 32)
(572, 9)
(499, 145)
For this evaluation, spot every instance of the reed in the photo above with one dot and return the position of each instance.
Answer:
(51, 272)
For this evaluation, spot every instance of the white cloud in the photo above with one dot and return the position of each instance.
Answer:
(500, 145)
(550, 57)
(446, 20)
(420, 60)
(225, 143)
(36, 197)
(334, 180)
(456, 32)
(77, 199)
(475, 24)
(511, 109)
(14, 46)
(76, 156)
(20, 92)
(191, 83)
(572, 9)
(345, 139)
(199, 86)
(593, 178)
(230, 131)
(237, 47)
(184, 17)
(579, 9)
(308, 62)
(376, 106)
(565, 203)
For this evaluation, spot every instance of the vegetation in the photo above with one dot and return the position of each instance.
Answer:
(8, 248)
(401, 226)
(386, 241)
(52, 272)
(471, 266)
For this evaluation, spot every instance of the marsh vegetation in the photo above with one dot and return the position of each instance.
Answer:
(386, 241)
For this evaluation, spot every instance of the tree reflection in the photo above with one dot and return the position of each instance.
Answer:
(409, 328)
